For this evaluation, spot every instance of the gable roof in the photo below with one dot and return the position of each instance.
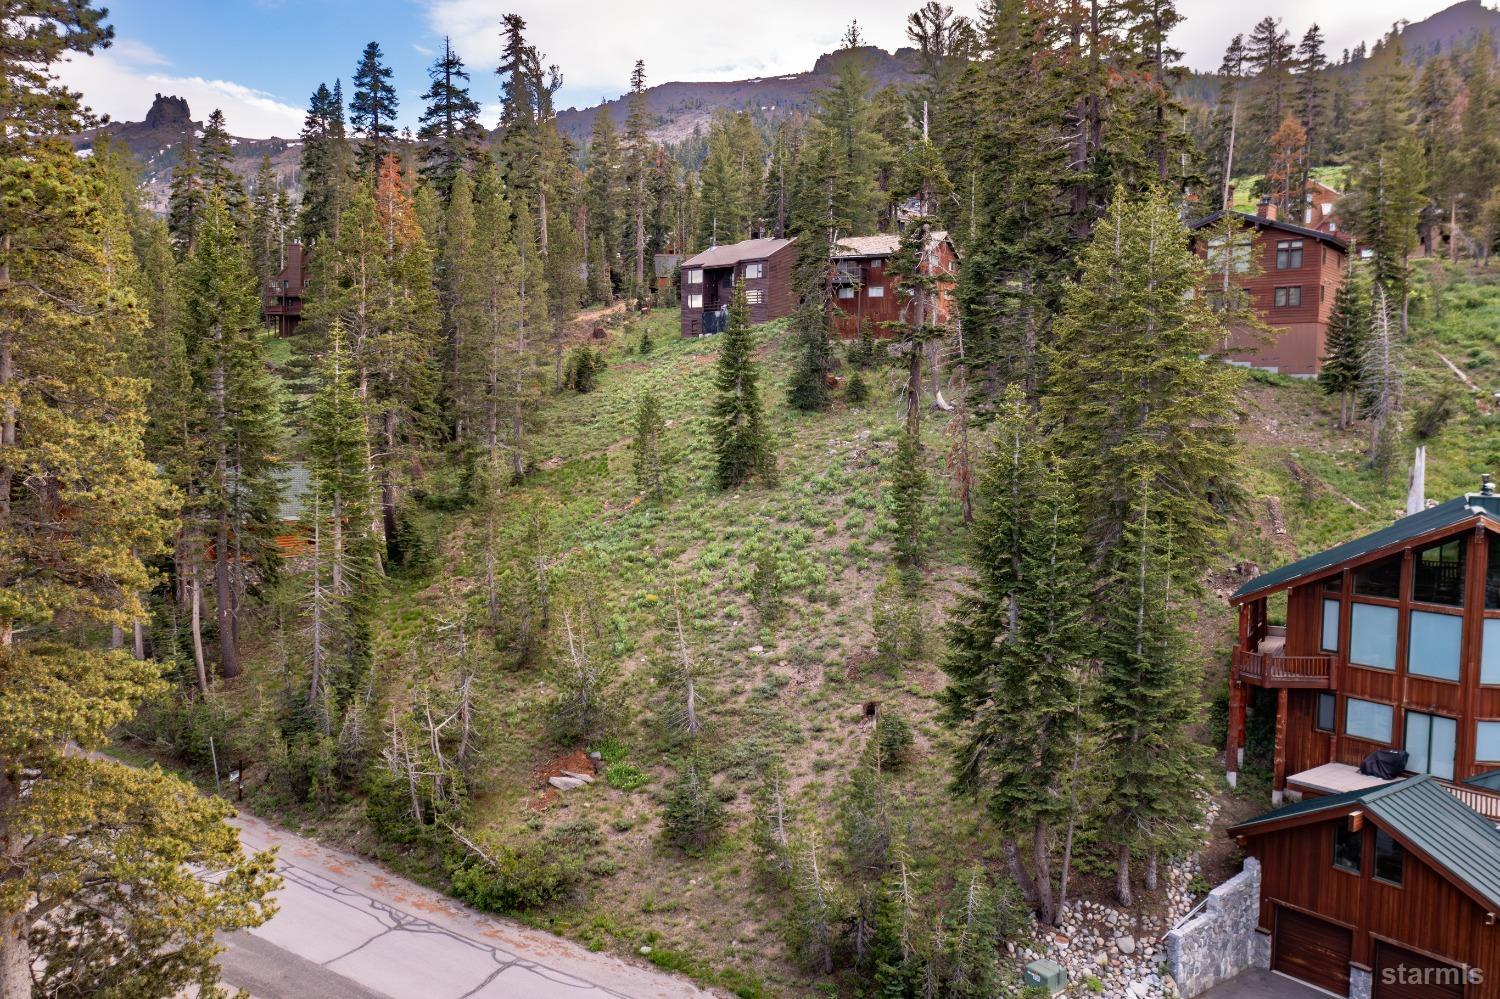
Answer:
(884, 244)
(1449, 514)
(1332, 239)
(1453, 837)
(733, 253)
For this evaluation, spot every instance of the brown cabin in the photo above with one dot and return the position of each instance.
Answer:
(864, 290)
(281, 302)
(708, 281)
(1390, 642)
(1388, 892)
(1300, 271)
(1318, 203)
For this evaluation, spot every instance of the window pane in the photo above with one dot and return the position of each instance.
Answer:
(1280, 297)
(1368, 720)
(1487, 746)
(753, 271)
(1418, 739)
(877, 291)
(1379, 579)
(1444, 747)
(1492, 577)
(1348, 848)
(1330, 636)
(1372, 636)
(694, 275)
(695, 301)
(1434, 645)
(1489, 656)
(1438, 574)
(1389, 857)
(1327, 706)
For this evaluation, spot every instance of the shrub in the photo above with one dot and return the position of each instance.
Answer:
(515, 879)
(765, 584)
(896, 617)
(895, 739)
(625, 776)
(857, 391)
(694, 814)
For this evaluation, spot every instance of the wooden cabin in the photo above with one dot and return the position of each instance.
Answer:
(1390, 641)
(1318, 204)
(294, 534)
(664, 269)
(1300, 271)
(281, 300)
(1387, 892)
(864, 290)
(708, 280)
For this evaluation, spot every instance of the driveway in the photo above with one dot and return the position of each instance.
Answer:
(347, 929)
(1257, 983)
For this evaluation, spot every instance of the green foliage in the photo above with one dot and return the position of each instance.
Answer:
(741, 444)
(856, 391)
(515, 878)
(895, 739)
(765, 584)
(626, 776)
(897, 620)
(582, 372)
(649, 448)
(693, 815)
(907, 504)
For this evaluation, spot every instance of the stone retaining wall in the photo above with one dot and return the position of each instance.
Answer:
(1220, 940)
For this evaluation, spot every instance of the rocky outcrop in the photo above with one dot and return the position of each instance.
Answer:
(169, 113)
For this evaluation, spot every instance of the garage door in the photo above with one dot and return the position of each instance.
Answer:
(1403, 974)
(1313, 950)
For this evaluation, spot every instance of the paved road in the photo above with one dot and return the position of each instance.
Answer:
(348, 929)
(1257, 983)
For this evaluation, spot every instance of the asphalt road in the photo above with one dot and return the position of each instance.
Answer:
(347, 929)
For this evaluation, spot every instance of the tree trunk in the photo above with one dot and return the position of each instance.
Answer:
(1123, 893)
(15, 956)
(229, 653)
(195, 597)
(1041, 855)
(388, 482)
(1151, 870)
(1018, 870)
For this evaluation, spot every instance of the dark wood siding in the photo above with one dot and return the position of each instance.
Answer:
(1312, 950)
(1404, 974)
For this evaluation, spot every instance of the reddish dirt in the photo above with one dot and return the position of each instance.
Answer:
(577, 761)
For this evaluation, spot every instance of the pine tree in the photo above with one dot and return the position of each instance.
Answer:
(460, 282)
(1225, 126)
(637, 172)
(1381, 381)
(649, 446)
(1348, 333)
(603, 194)
(450, 131)
(562, 266)
(1021, 643)
(326, 165)
(1312, 101)
(216, 166)
(372, 109)
(1270, 56)
(741, 446)
(98, 890)
(185, 202)
(693, 816)
(908, 504)
(1285, 173)
(730, 180)
(267, 225)
(844, 154)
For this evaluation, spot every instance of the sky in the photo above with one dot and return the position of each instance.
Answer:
(259, 60)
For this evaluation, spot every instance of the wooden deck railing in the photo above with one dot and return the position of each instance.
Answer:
(1269, 669)
(1482, 800)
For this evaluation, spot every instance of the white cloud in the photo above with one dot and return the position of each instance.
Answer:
(119, 81)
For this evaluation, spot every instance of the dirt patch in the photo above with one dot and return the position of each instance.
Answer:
(577, 762)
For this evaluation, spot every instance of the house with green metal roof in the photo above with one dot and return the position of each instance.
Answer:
(1382, 650)
(1389, 891)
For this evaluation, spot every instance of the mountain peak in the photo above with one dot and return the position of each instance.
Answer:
(169, 112)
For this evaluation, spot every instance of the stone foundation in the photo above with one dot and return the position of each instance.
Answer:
(1220, 940)
(1360, 983)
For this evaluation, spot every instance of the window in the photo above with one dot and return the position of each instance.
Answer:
(1379, 579)
(1492, 577)
(1290, 297)
(846, 291)
(1327, 711)
(1433, 645)
(1368, 720)
(1288, 254)
(1239, 255)
(1489, 653)
(755, 271)
(1430, 744)
(1390, 857)
(693, 275)
(1438, 574)
(1330, 638)
(876, 264)
(1487, 743)
(1372, 636)
(755, 296)
(1348, 848)
(876, 291)
(695, 300)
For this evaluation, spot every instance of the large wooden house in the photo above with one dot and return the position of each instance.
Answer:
(1292, 273)
(1386, 892)
(865, 291)
(708, 280)
(281, 299)
(1390, 642)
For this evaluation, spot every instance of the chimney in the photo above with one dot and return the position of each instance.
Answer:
(1486, 485)
(1266, 210)
(1229, 195)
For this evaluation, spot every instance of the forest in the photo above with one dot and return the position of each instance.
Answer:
(889, 652)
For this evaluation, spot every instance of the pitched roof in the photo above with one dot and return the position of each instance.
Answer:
(1455, 511)
(1451, 835)
(1332, 239)
(295, 482)
(1490, 780)
(665, 263)
(733, 253)
(883, 244)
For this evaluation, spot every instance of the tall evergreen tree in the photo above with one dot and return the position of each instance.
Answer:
(326, 165)
(604, 197)
(267, 228)
(730, 180)
(1348, 333)
(372, 109)
(741, 444)
(1312, 101)
(1225, 126)
(449, 131)
(185, 202)
(1270, 56)
(216, 166)
(637, 172)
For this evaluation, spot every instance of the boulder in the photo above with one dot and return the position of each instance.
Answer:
(565, 783)
(586, 778)
(1126, 944)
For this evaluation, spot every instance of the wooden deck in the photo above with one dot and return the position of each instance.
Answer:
(1270, 668)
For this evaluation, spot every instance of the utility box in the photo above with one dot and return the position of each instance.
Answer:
(1046, 973)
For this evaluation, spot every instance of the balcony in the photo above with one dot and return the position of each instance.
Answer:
(1481, 800)
(1270, 668)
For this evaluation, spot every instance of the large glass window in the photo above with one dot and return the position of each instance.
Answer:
(1489, 654)
(1487, 745)
(1368, 720)
(1288, 254)
(1329, 641)
(693, 275)
(1327, 712)
(1379, 579)
(754, 271)
(1348, 848)
(1289, 297)
(1492, 577)
(1390, 858)
(1431, 741)
(695, 301)
(1438, 574)
(1433, 647)
(1372, 636)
